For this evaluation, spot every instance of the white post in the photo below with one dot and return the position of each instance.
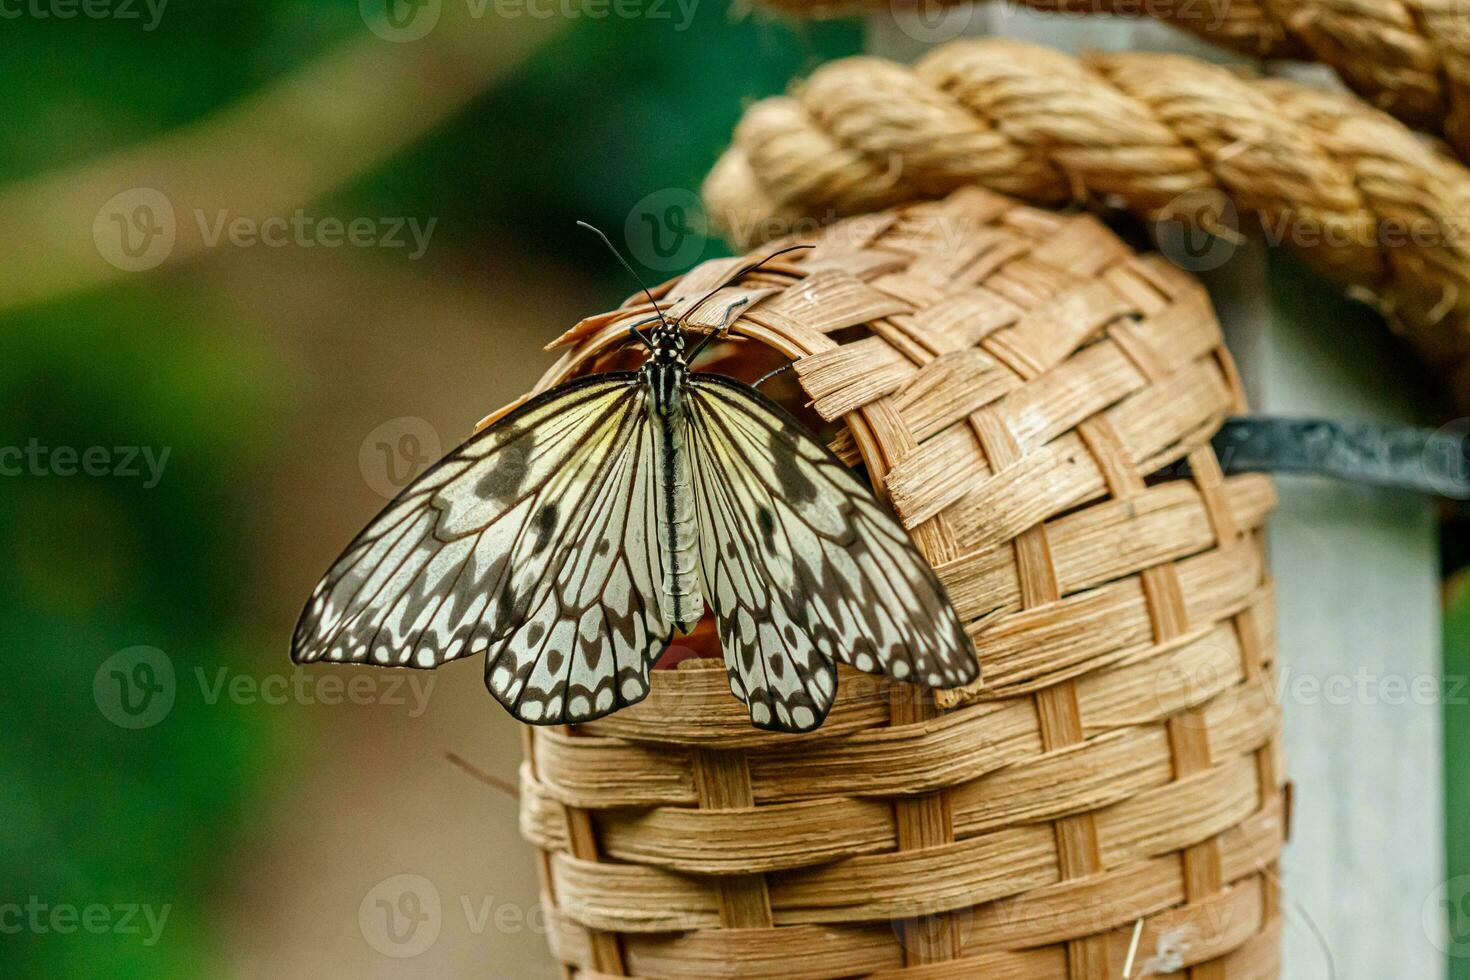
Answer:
(1357, 577)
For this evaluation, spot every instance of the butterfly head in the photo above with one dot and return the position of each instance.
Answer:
(666, 343)
(666, 367)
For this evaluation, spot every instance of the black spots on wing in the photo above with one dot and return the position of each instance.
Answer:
(795, 486)
(512, 606)
(603, 547)
(471, 587)
(502, 482)
(458, 599)
(731, 551)
(418, 598)
(545, 527)
(800, 609)
(777, 666)
(621, 627)
(767, 522)
(554, 660)
(534, 633)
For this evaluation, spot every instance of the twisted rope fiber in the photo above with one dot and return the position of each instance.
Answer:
(1410, 58)
(1358, 196)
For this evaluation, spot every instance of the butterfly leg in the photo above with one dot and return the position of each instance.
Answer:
(637, 334)
(771, 374)
(722, 332)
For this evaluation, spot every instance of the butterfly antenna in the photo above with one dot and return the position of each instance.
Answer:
(704, 341)
(636, 277)
(745, 272)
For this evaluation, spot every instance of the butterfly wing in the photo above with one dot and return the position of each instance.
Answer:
(802, 565)
(534, 541)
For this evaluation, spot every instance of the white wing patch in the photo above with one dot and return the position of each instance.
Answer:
(534, 541)
(802, 565)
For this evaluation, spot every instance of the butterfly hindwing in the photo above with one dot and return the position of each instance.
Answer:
(803, 566)
(534, 541)
(538, 542)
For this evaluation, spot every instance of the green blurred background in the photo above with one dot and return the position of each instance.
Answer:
(275, 377)
(160, 754)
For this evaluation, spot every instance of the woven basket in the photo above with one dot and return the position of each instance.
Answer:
(1037, 400)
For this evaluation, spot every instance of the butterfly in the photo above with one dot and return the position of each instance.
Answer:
(570, 540)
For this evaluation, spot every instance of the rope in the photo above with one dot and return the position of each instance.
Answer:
(1410, 58)
(1166, 137)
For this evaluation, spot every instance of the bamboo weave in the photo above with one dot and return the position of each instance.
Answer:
(1410, 58)
(1026, 387)
(1166, 137)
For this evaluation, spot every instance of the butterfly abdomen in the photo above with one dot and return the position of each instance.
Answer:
(683, 603)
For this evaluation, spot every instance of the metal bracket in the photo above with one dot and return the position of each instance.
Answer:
(1426, 461)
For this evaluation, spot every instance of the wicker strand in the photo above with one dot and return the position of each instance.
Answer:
(1163, 136)
(1410, 58)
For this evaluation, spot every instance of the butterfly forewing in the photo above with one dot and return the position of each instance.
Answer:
(802, 566)
(536, 542)
(565, 542)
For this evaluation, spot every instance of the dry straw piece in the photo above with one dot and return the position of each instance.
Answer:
(1410, 58)
(1348, 188)
(1027, 389)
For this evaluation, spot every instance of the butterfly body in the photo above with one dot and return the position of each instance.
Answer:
(570, 540)
(665, 376)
